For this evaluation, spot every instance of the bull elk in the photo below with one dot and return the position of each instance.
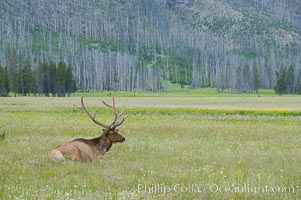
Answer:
(85, 150)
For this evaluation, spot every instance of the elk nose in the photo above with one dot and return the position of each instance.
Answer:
(123, 139)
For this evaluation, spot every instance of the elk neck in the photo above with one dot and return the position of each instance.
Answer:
(102, 143)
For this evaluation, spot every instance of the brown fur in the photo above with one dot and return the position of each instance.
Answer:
(86, 150)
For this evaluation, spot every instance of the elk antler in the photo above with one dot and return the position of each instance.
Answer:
(83, 108)
(114, 124)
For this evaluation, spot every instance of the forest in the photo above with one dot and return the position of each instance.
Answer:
(235, 46)
(43, 78)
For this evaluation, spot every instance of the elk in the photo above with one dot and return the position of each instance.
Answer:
(87, 150)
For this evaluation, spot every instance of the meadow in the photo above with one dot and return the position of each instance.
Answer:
(185, 146)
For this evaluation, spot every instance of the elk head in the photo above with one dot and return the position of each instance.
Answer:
(82, 149)
(109, 131)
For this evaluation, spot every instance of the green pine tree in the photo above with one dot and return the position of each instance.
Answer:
(14, 75)
(256, 82)
(52, 77)
(27, 78)
(4, 87)
(281, 84)
(290, 79)
(69, 80)
(61, 79)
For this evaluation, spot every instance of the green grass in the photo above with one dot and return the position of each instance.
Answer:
(194, 143)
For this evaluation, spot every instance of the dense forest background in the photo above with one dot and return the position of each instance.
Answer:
(146, 45)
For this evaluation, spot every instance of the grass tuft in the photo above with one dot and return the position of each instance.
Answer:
(2, 134)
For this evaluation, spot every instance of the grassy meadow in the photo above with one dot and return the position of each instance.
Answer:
(177, 147)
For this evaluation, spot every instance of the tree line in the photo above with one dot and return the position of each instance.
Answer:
(146, 45)
(43, 78)
(286, 83)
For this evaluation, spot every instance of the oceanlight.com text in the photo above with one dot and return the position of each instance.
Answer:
(161, 188)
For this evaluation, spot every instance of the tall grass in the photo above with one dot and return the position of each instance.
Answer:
(176, 148)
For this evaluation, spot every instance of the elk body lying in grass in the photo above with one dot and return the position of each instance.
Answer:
(85, 150)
